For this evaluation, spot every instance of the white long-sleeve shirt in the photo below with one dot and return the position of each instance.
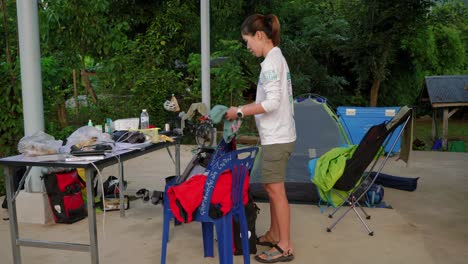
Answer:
(274, 92)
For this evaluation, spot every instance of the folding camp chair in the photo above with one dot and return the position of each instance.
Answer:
(356, 180)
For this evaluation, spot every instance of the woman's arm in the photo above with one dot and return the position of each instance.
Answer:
(249, 109)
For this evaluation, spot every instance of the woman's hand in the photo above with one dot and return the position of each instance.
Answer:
(231, 114)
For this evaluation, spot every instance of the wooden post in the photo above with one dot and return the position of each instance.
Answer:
(445, 127)
(85, 77)
(434, 120)
(75, 92)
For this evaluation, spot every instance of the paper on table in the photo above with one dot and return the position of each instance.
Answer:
(51, 157)
(84, 158)
(123, 146)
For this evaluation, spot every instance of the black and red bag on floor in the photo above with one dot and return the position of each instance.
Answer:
(251, 212)
(66, 200)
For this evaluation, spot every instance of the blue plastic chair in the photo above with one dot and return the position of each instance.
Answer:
(239, 162)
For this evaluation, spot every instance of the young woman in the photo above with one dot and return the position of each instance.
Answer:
(273, 110)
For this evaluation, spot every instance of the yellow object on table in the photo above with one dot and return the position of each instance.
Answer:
(151, 134)
(165, 138)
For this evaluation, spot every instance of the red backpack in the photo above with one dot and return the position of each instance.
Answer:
(64, 191)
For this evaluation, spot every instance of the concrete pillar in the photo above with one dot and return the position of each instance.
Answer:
(30, 59)
(31, 78)
(205, 52)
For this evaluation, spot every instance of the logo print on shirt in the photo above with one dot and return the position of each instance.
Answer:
(270, 75)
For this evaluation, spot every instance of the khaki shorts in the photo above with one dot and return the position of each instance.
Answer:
(274, 162)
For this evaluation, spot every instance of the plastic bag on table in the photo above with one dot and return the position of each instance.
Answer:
(86, 136)
(39, 143)
(125, 136)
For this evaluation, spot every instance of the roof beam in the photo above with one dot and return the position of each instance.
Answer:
(440, 105)
(450, 114)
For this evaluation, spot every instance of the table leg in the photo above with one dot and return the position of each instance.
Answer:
(122, 189)
(177, 154)
(10, 189)
(91, 218)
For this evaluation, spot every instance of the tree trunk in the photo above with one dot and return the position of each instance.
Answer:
(374, 92)
(89, 87)
(62, 115)
(75, 92)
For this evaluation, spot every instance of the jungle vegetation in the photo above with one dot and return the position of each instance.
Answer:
(126, 55)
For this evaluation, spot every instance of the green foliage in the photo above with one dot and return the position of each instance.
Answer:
(311, 36)
(79, 28)
(403, 85)
(450, 51)
(149, 68)
(228, 15)
(152, 90)
(57, 86)
(11, 126)
(144, 54)
(440, 48)
(377, 28)
(421, 48)
(59, 133)
(228, 79)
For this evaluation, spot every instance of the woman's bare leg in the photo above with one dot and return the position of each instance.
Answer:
(280, 215)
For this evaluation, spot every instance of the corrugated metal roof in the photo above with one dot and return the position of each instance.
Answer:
(447, 89)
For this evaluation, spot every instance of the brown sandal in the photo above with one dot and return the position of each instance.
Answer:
(267, 240)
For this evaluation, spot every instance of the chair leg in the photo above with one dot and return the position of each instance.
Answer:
(244, 237)
(207, 231)
(227, 237)
(224, 235)
(165, 237)
(363, 211)
(345, 200)
(334, 211)
(370, 232)
(338, 220)
(353, 207)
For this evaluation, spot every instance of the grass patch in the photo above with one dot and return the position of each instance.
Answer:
(457, 131)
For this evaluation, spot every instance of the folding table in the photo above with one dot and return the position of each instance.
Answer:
(116, 157)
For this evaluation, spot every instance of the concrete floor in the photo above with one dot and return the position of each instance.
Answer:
(429, 225)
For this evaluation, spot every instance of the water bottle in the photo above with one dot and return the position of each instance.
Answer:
(144, 119)
(108, 126)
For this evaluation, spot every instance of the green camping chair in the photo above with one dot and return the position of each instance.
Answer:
(355, 181)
